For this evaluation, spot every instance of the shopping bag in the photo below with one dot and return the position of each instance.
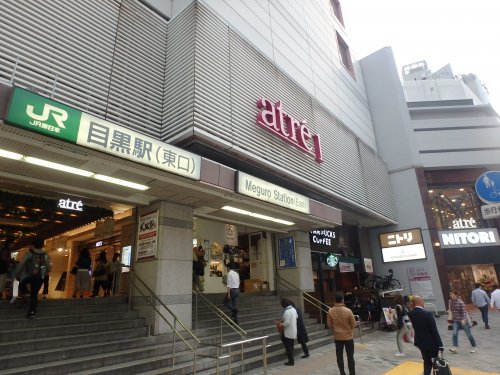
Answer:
(440, 366)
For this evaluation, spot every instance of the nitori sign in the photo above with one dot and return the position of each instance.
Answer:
(273, 119)
(469, 238)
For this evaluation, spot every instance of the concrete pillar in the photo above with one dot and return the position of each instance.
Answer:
(169, 276)
(301, 276)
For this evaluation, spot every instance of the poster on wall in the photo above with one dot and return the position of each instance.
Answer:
(420, 282)
(286, 253)
(346, 267)
(147, 243)
(368, 265)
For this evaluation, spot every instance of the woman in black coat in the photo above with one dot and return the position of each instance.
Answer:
(302, 337)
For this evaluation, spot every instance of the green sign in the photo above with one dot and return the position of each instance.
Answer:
(39, 114)
(332, 259)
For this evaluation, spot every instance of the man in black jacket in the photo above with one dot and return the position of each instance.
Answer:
(427, 337)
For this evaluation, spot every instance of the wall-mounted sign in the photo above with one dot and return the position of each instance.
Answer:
(332, 259)
(273, 119)
(286, 253)
(368, 265)
(262, 190)
(324, 240)
(420, 283)
(469, 238)
(346, 267)
(464, 223)
(490, 211)
(41, 115)
(488, 187)
(147, 243)
(402, 245)
(68, 204)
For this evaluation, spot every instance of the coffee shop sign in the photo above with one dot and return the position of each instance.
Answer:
(273, 119)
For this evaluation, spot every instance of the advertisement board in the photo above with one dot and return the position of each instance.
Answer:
(402, 245)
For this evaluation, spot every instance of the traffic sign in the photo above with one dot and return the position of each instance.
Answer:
(488, 187)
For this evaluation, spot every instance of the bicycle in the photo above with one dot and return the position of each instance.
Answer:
(384, 283)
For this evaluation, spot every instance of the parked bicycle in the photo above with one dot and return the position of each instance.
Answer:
(386, 282)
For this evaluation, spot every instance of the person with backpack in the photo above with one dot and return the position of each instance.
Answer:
(5, 258)
(36, 265)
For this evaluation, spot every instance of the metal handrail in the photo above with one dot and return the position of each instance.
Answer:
(221, 314)
(152, 296)
(196, 340)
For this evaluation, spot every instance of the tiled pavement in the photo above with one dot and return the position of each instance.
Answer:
(376, 355)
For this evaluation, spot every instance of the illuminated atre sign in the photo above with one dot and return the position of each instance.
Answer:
(68, 204)
(403, 245)
(262, 190)
(273, 119)
(469, 238)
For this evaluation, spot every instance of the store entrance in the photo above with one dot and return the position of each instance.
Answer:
(463, 278)
(66, 224)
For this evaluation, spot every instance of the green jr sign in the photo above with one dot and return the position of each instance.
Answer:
(41, 115)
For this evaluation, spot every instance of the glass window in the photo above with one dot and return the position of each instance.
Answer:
(345, 54)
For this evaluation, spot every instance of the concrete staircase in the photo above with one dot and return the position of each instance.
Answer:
(100, 336)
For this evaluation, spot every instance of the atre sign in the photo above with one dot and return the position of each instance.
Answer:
(273, 119)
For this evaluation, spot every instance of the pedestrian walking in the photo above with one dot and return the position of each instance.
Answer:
(403, 324)
(302, 337)
(35, 264)
(427, 338)
(100, 275)
(5, 260)
(495, 297)
(82, 277)
(481, 300)
(233, 291)
(341, 321)
(459, 320)
(288, 326)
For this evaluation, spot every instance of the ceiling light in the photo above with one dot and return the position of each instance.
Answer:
(437, 244)
(10, 155)
(461, 189)
(442, 196)
(257, 215)
(59, 167)
(453, 200)
(431, 191)
(118, 181)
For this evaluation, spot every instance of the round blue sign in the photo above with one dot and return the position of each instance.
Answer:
(488, 187)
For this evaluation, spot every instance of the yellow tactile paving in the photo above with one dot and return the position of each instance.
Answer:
(416, 368)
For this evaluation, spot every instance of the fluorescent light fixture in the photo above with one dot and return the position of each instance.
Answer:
(57, 166)
(256, 215)
(118, 181)
(10, 155)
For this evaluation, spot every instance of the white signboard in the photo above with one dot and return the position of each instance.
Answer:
(420, 283)
(400, 253)
(265, 191)
(490, 211)
(116, 140)
(368, 265)
(346, 267)
(402, 245)
(147, 244)
(469, 238)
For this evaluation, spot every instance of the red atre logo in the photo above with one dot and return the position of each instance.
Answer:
(273, 119)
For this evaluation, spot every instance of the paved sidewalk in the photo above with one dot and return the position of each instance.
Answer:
(376, 355)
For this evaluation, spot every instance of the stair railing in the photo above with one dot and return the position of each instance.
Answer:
(221, 346)
(307, 298)
(154, 302)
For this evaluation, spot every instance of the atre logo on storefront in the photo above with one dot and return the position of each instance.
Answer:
(273, 119)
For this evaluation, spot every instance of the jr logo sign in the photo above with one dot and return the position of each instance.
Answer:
(42, 115)
(59, 115)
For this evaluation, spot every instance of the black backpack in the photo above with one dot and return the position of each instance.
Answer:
(37, 264)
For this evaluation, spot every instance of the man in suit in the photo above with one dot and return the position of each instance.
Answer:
(427, 337)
